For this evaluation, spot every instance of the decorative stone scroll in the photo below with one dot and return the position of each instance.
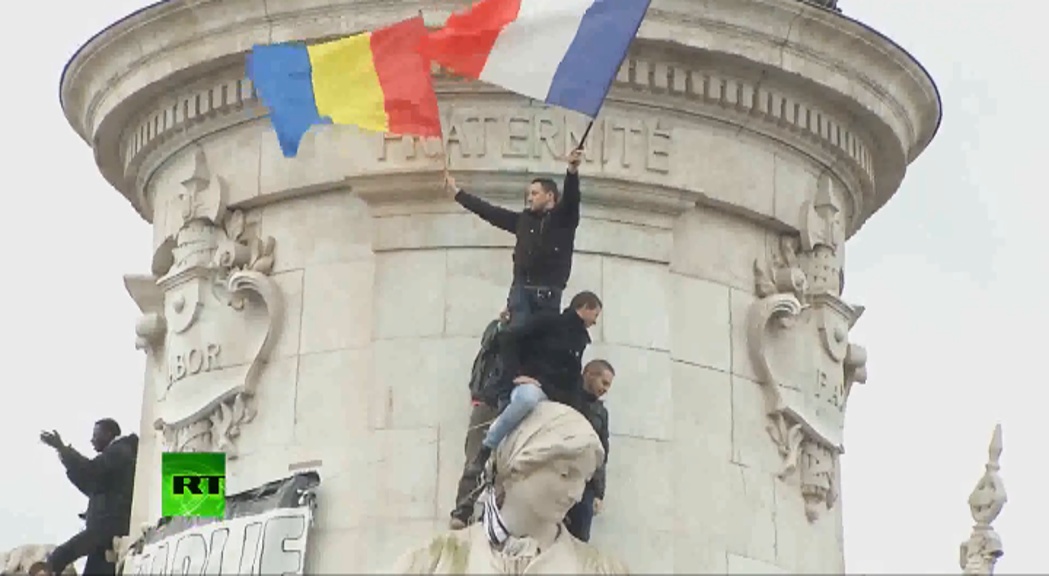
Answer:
(220, 319)
(798, 340)
(981, 551)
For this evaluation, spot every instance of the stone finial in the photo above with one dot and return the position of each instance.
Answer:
(981, 551)
(205, 195)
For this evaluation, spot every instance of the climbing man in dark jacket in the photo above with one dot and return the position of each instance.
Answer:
(108, 481)
(597, 380)
(542, 360)
(545, 233)
(486, 367)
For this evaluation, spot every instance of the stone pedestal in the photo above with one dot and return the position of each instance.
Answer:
(324, 311)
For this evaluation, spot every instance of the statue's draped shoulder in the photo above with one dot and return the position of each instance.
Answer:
(593, 561)
(450, 553)
(446, 553)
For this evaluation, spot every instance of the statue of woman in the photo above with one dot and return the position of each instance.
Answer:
(540, 470)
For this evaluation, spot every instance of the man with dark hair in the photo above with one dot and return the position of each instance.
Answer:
(542, 360)
(597, 380)
(108, 481)
(486, 367)
(545, 233)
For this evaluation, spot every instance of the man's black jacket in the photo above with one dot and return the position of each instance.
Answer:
(108, 481)
(545, 242)
(597, 414)
(548, 347)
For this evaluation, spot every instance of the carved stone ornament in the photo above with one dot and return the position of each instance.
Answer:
(30, 559)
(151, 326)
(797, 335)
(222, 315)
(981, 551)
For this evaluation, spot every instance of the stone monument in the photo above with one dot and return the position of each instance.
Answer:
(538, 468)
(323, 311)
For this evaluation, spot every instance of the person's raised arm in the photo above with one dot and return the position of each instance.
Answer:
(85, 473)
(497, 216)
(570, 194)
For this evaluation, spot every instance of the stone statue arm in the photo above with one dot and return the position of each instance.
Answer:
(497, 216)
(567, 209)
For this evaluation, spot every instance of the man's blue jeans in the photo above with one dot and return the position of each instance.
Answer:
(581, 516)
(523, 399)
(525, 301)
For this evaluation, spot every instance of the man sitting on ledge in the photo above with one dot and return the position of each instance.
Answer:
(542, 359)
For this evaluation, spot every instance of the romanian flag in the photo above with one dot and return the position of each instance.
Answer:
(563, 52)
(375, 80)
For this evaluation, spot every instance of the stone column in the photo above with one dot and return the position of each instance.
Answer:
(323, 311)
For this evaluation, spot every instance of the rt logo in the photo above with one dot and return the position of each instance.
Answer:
(193, 484)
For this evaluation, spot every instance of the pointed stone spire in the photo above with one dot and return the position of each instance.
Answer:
(984, 547)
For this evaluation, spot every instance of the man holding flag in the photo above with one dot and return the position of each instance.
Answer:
(545, 233)
(564, 53)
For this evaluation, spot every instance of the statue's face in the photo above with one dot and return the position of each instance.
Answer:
(551, 490)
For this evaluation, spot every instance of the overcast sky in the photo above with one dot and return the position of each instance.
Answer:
(950, 272)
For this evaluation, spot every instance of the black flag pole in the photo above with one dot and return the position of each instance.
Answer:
(585, 134)
(626, 53)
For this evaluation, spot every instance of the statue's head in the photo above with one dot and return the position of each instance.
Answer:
(545, 462)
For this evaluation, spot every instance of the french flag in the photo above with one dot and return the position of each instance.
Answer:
(563, 52)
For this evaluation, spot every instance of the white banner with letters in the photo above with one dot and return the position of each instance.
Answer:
(271, 543)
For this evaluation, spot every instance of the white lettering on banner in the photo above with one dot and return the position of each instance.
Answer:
(269, 543)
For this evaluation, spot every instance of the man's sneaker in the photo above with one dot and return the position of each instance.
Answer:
(461, 517)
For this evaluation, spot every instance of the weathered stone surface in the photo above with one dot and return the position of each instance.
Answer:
(29, 559)
(744, 136)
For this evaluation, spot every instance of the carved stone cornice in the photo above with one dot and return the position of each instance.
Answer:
(390, 190)
(826, 85)
(661, 81)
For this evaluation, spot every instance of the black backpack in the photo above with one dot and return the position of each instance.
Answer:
(486, 364)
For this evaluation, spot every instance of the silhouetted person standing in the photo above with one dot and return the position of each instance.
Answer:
(108, 481)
